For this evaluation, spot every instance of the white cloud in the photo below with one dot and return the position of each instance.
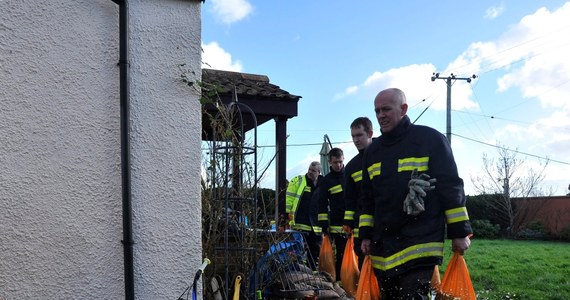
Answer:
(532, 58)
(535, 53)
(556, 129)
(215, 57)
(348, 91)
(494, 11)
(231, 11)
(415, 81)
(532, 54)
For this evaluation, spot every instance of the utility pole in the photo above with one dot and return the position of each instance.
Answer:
(448, 80)
(506, 187)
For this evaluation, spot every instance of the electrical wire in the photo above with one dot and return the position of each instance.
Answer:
(505, 119)
(503, 53)
(458, 135)
(516, 151)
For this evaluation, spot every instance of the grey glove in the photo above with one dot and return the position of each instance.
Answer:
(418, 185)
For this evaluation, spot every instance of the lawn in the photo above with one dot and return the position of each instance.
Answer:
(509, 269)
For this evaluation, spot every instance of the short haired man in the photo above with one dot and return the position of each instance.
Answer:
(331, 205)
(361, 132)
(404, 216)
(302, 209)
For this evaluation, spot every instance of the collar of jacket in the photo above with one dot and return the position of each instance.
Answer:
(335, 173)
(397, 133)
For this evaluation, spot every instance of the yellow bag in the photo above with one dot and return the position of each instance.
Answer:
(349, 272)
(456, 283)
(326, 257)
(368, 288)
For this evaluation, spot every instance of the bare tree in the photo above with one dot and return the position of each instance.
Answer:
(508, 176)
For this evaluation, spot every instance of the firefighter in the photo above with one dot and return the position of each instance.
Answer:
(331, 205)
(301, 207)
(361, 132)
(405, 211)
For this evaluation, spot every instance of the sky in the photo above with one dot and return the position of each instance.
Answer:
(338, 55)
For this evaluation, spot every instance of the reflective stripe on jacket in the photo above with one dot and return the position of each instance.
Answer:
(352, 189)
(401, 242)
(331, 201)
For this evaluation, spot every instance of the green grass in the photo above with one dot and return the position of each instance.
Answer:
(508, 269)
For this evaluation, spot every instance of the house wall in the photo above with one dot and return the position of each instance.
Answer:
(60, 166)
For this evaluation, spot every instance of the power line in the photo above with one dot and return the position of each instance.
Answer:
(423, 111)
(458, 135)
(476, 97)
(505, 119)
(542, 92)
(516, 151)
(486, 68)
(491, 117)
(303, 145)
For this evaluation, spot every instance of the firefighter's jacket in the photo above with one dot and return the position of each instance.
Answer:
(401, 242)
(352, 188)
(331, 201)
(300, 203)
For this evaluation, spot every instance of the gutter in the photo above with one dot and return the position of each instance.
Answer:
(125, 151)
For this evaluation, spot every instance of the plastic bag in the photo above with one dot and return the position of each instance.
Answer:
(435, 278)
(349, 272)
(368, 288)
(326, 257)
(456, 283)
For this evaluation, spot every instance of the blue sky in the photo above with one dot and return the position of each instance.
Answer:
(338, 55)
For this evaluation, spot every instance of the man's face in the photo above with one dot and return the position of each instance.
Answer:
(388, 112)
(336, 163)
(360, 137)
(313, 172)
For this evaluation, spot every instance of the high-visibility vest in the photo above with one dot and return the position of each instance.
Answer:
(295, 190)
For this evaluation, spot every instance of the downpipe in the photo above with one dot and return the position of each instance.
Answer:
(125, 151)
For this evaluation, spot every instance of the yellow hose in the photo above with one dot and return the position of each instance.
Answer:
(237, 287)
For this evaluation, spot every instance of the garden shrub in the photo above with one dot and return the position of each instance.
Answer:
(480, 208)
(534, 231)
(565, 233)
(484, 229)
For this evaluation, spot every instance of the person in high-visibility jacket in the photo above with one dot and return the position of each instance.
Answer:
(361, 132)
(301, 207)
(331, 205)
(405, 217)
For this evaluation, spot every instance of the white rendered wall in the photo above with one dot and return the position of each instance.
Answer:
(166, 140)
(60, 172)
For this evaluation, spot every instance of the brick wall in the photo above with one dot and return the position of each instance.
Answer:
(553, 212)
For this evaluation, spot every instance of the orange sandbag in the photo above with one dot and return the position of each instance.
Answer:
(349, 272)
(326, 257)
(435, 278)
(368, 288)
(456, 283)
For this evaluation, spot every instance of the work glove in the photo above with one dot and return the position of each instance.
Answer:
(418, 185)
